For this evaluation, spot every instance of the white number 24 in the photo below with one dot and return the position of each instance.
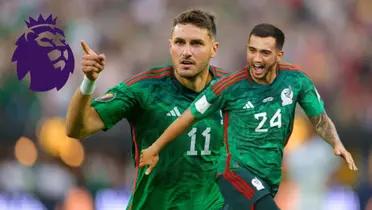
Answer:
(275, 121)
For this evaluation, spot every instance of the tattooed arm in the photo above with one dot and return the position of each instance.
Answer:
(325, 128)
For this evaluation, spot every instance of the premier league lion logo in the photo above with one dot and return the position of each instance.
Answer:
(42, 50)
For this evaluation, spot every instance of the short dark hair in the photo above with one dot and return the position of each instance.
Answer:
(199, 18)
(268, 30)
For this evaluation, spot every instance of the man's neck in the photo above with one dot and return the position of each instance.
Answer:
(197, 83)
(269, 78)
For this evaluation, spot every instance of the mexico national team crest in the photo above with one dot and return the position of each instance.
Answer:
(287, 96)
(43, 51)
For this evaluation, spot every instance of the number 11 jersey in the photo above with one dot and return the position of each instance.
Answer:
(185, 176)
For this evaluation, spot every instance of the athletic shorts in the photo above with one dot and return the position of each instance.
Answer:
(241, 189)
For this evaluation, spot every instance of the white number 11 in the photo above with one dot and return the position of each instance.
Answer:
(207, 139)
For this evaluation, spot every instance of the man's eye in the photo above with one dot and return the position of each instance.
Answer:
(197, 43)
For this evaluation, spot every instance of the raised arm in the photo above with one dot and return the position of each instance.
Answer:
(150, 155)
(81, 119)
(325, 128)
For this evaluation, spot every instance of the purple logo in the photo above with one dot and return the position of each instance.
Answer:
(42, 50)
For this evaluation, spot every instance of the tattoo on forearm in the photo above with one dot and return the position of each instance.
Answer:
(325, 128)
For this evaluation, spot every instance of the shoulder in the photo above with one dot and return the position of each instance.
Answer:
(296, 75)
(153, 74)
(229, 80)
(292, 69)
(218, 72)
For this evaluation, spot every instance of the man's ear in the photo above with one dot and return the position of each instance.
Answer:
(279, 56)
(215, 48)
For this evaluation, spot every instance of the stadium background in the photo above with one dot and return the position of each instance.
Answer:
(40, 168)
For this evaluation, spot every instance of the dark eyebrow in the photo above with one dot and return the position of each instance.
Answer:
(260, 50)
(251, 48)
(266, 51)
(179, 39)
(197, 41)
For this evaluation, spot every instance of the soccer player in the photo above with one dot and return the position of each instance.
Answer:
(258, 105)
(151, 101)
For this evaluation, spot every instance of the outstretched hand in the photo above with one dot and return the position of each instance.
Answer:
(340, 150)
(149, 157)
(92, 63)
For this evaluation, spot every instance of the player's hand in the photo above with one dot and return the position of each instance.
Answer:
(149, 157)
(92, 63)
(340, 150)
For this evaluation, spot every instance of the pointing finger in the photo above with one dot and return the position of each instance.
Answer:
(86, 48)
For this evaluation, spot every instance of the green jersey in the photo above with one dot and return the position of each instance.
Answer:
(185, 176)
(258, 119)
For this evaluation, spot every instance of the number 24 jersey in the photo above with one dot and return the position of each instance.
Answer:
(258, 119)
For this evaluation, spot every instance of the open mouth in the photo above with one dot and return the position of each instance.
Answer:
(187, 62)
(258, 69)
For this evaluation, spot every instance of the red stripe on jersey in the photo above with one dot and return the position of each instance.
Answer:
(225, 140)
(220, 71)
(150, 76)
(236, 181)
(217, 72)
(228, 81)
(222, 82)
(288, 66)
(154, 71)
(136, 154)
(135, 77)
(239, 184)
(225, 129)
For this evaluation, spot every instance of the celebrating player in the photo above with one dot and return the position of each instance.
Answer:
(258, 105)
(151, 101)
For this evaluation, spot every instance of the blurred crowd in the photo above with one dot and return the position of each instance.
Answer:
(331, 40)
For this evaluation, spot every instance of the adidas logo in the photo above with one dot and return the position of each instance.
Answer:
(174, 112)
(248, 105)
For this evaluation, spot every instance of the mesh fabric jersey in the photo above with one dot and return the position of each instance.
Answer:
(258, 119)
(185, 176)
